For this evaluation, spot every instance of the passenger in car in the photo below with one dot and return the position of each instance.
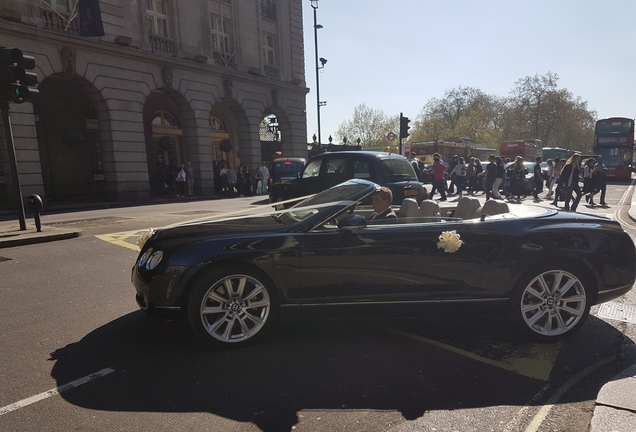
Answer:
(381, 202)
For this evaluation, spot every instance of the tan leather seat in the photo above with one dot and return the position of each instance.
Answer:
(494, 207)
(408, 209)
(466, 207)
(428, 208)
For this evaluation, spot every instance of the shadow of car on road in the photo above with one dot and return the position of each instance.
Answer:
(327, 365)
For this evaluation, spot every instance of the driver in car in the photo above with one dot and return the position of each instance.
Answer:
(381, 202)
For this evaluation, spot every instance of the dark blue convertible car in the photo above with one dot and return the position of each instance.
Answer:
(231, 278)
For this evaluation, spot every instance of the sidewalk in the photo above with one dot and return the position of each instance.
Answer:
(616, 401)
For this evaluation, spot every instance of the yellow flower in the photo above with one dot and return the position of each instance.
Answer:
(449, 241)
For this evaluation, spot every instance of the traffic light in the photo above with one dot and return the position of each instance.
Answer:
(404, 126)
(15, 81)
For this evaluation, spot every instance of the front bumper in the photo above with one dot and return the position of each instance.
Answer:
(145, 301)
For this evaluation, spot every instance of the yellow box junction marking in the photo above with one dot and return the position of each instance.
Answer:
(118, 238)
(537, 367)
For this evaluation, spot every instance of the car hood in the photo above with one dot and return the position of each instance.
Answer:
(232, 227)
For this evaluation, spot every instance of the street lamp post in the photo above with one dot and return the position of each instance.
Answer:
(314, 5)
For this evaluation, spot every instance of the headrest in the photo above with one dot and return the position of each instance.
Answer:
(409, 208)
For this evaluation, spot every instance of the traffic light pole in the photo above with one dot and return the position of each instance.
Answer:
(401, 133)
(8, 133)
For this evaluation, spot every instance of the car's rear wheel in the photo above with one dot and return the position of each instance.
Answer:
(552, 301)
(232, 307)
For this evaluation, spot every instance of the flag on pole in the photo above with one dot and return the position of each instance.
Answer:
(90, 18)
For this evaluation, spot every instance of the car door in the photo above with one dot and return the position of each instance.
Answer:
(335, 170)
(310, 178)
(379, 263)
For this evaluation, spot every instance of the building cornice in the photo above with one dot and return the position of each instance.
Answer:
(133, 53)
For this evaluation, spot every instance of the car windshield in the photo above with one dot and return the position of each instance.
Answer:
(312, 205)
(399, 169)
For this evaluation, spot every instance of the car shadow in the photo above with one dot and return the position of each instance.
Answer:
(309, 365)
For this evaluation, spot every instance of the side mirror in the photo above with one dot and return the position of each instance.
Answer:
(355, 222)
(299, 175)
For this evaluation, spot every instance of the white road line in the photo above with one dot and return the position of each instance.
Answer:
(53, 392)
(545, 409)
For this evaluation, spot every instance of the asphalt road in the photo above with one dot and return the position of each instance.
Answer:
(67, 313)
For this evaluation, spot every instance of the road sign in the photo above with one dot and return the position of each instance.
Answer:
(391, 136)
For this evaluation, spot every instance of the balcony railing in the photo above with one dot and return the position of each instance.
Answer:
(272, 71)
(224, 59)
(58, 21)
(268, 9)
(161, 44)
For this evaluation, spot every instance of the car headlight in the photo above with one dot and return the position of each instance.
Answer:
(144, 257)
(154, 260)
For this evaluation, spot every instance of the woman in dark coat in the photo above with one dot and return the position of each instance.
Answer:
(518, 178)
(569, 180)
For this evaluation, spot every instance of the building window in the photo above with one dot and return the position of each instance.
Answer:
(157, 16)
(269, 56)
(58, 5)
(216, 125)
(269, 50)
(220, 27)
(268, 9)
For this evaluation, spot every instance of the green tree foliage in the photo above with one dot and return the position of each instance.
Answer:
(370, 125)
(539, 109)
(462, 112)
(535, 108)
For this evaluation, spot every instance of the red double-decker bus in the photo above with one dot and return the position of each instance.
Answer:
(614, 140)
(529, 149)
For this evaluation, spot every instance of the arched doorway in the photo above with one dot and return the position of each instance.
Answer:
(68, 139)
(223, 148)
(166, 153)
(164, 141)
(270, 136)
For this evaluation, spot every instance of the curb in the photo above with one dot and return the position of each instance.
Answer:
(22, 238)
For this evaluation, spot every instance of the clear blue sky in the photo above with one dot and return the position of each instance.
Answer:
(396, 55)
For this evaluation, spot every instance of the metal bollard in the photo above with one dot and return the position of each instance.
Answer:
(36, 205)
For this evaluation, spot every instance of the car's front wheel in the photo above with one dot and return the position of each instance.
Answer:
(552, 301)
(231, 307)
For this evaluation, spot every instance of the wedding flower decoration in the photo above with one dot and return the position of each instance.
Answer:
(449, 241)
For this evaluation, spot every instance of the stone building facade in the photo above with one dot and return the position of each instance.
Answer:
(171, 82)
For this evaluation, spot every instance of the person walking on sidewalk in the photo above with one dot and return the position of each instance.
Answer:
(190, 179)
(460, 175)
(491, 176)
(500, 173)
(589, 181)
(538, 179)
(439, 175)
(554, 170)
(601, 172)
(181, 182)
(569, 182)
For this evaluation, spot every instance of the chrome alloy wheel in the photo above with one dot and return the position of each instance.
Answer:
(553, 303)
(235, 308)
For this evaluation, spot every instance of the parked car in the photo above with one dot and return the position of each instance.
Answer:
(329, 169)
(285, 169)
(231, 279)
